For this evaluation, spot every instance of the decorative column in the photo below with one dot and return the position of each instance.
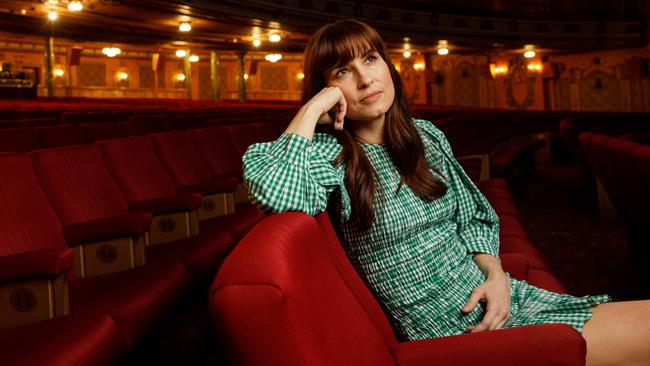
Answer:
(215, 81)
(241, 81)
(187, 71)
(49, 66)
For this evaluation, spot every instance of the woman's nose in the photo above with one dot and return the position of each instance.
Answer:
(365, 80)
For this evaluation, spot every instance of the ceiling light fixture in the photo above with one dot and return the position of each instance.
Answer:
(181, 53)
(275, 38)
(529, 51)
(443, 47)
(407, 54)
(194, 58)
(273, 57)
(75, 6)
(52, 15)
(111, 51)
(185, 26)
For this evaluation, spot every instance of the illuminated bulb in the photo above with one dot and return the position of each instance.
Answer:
(529, 51)
(257, 42)
(23, 11)
(443, 51)
(181, 53)
(418, 66)
(194, 58)
(185, 27)
(75, 6)
(52, 15)
(300, 76)
(274, 37)
(407, 54)
(273, 57)
(245, 76)
(180, 77)
(122, 75)
(58, 72)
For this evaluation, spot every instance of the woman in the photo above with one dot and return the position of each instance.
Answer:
(414, 226)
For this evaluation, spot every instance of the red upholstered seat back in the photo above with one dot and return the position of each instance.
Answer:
(62, 135)
(18, 140)
(136, 169)
(77, 184)
(27, 221)
(279, 299)
(218, 151)
(180, 158)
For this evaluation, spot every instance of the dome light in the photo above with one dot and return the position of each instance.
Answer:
(257, 42)
(52, 15)
(181, 53)
(407, 54)
(273, 57)
(529, 51)
(75, 6)
(275, 38)
(194, 58)
(185, 27)
(111, 51)
(443, 47)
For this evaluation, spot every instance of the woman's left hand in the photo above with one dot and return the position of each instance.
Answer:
(495, 292)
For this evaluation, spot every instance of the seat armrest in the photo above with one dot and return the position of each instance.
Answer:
(546, 344)
(164, 205)
(44, 262)
(130, 224)
(217, 185)
(516, 264)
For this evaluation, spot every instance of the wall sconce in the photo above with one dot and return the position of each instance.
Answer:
(533, 67)
(246, 76)
(52, 15)
(300, 76)
(498, 70)
(122, 75)
(194, 58)
(418, 67)
(59, 72)
(179, 77)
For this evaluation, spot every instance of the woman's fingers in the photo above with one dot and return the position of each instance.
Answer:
(340, 114)
(474, 299)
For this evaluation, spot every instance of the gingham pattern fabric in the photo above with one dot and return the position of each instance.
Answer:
(417, 257)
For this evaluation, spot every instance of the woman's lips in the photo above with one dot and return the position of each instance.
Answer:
(372, 97)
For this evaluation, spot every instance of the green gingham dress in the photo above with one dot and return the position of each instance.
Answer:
(417, 257)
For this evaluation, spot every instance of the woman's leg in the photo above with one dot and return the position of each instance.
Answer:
(619, 334)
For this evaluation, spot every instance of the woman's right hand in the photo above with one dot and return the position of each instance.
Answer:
(331, 103)
(326, 107)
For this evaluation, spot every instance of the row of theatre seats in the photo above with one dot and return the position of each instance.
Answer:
(623, 168)
(305, 304)
(101, 240)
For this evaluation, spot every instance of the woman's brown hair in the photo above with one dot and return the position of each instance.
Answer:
(337, 44)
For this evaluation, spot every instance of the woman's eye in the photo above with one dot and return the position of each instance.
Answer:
(371, 58)
(341, 72)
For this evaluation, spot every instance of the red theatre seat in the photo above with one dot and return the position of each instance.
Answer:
(303, 304)
(88, 203)
(19, 140)
(32, 247)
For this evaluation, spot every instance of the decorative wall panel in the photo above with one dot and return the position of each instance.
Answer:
(599, 91)
(465, 84)
(274, 77)
(91, 74)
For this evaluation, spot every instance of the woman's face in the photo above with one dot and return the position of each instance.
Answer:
(366, 85)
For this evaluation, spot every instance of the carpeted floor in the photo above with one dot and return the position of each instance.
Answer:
(588, 254)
